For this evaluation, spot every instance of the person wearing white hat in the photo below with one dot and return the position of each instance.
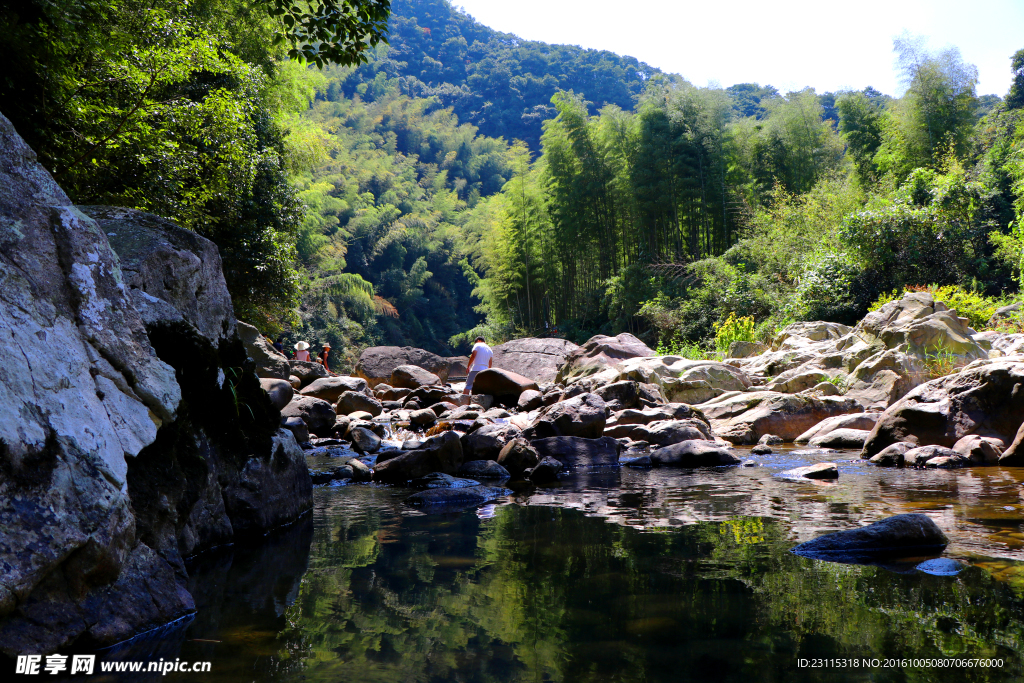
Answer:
(302, 351)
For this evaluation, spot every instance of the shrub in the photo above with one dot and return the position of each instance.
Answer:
(733, 329)
(977, 308)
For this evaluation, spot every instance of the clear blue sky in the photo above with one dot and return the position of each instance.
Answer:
(789, 43)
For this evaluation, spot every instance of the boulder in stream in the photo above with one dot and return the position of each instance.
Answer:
(906, 535)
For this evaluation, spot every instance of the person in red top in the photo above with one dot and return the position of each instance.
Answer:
(323, 356)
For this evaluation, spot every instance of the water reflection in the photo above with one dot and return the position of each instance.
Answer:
(620, 576)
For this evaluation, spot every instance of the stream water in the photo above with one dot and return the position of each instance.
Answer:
(627, 575)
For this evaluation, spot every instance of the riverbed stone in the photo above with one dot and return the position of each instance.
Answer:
(906, 535)
(297, 426)
(919, 457)
(743, 418)
(983, 398)
(891, 455)
(486, 442)
(841, 439)
(981, 450)
(546, 471)
(356, 401)
(483, 469)
(279, 391)
(504, 385)
(694, 453)
(412, 377)
(441, 453)
(859, 421)
(316, 413)
(330, 389)
(364, 440)
(518, 455)
(530, 400)
(444, 499)
(575, 452)
(584, 416)
(821, 470)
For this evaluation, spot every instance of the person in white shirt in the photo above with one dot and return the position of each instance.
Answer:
(302, 351)
(480, 359)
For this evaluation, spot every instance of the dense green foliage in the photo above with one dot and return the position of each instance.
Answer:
(496, 81)
(669, 219)
(458, 180)
(176, 108)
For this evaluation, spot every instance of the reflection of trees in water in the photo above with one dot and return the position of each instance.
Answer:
(542, 593)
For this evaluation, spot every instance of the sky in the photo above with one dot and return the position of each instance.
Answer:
(789, 44)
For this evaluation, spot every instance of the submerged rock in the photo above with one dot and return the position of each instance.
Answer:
(907, 535)
(821, 470)
(448, 499)
(546, 471)
(440, 480)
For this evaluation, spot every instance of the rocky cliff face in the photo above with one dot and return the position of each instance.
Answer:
(133, 431)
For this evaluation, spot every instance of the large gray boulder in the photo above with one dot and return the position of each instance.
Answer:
(167, 262)
(742, 418)
(307, 371)
(695, 453)
(377, 363)
(599, 352)
(503, 385)
(412, 377)
(330, 389)
(984, 398)
(105, 489)
(582, 415)
(486, 442)
(269, 362)
(79, 382)
(537, 359)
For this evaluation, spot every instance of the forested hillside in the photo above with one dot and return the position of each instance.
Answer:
(459, 180)
(496, 81)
